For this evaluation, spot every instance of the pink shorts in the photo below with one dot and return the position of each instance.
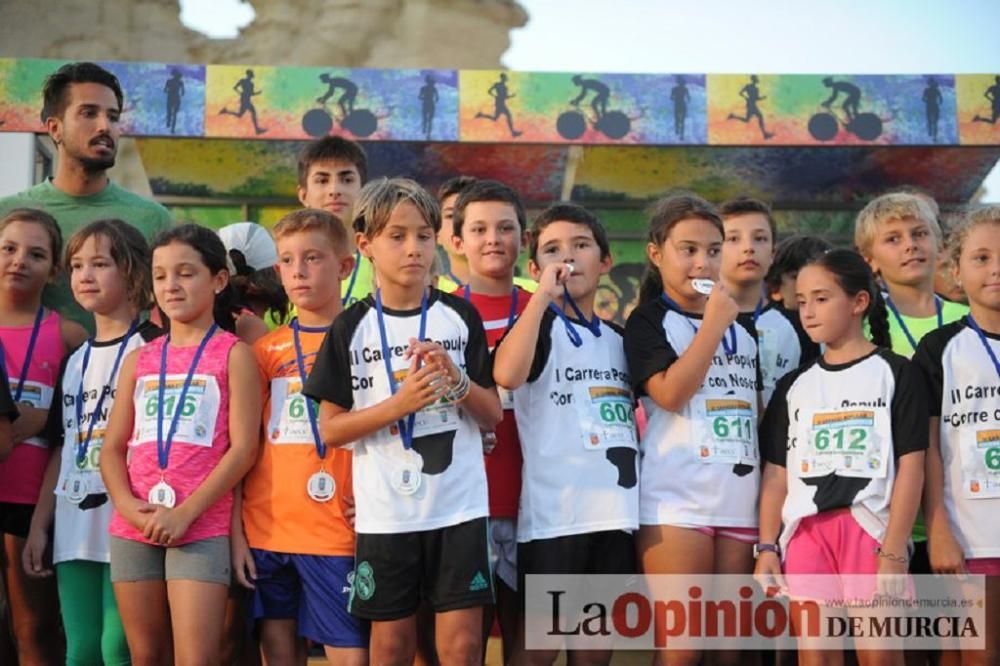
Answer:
(984, 566)
(741, 534)
(826, 546)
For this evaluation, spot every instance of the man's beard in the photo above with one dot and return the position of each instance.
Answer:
(93, 165)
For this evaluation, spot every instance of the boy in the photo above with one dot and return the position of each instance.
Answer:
(331, 172)
(457, 269)
(390, 376)
(579, 495)
(789, 257)
(301, 556)
(490, 226)
(747, 255)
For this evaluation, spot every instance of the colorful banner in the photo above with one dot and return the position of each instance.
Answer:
(503, 107)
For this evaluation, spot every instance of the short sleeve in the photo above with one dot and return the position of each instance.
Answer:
(543, 347)
(478, 362)
(773, 432)
(646, 348)
(53, 430)
(929, 362)
(910, 426)
(330, 377)
(746, 320)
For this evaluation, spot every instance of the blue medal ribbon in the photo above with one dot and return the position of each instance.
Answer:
(899, 318)
(83, 446)
(593, 325)
(28, 353)
(405, 427)
(163, 446)
(354, 278)
(301, 363)
(454, 278)
(986, 343)
(757, 310)
(512, 317)
(729, 346)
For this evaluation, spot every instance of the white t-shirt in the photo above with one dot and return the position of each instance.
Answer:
(576, 422)
(445, 477)
(699, 466)
(81, 533)
(783, 346)
(839, 431)
(964, 391)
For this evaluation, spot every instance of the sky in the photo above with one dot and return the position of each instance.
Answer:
(719, 36)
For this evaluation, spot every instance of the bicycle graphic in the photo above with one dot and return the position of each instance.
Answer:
(825, 125)
(318, 122)
(613, 124)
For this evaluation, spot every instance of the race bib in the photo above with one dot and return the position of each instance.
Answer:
(607, 416)
(506, 398)
(90, 467)
(980, 458)
(730, 432)
(289, 419)
(196, 423)
(440, 416)
(37, 395)
(850, 442)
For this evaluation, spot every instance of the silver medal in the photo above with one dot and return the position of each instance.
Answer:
(406, 479)
(489, 441)
(76, 488)
(703, 286)
(321, 486)
(163, 495)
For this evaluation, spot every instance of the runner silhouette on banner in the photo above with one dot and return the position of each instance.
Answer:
(500, 94)
(247, 92)
(751, 95)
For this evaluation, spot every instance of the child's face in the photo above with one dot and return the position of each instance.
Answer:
(979, 266)
(446, 235)
(747, 250)
(26, 261)
(904, 252)
(826, 311)
(97, 283)
(403, 250)
(491, 238)
(692, 250)
(182, 284)
(333, 186)
(569, 242)
(307, 261)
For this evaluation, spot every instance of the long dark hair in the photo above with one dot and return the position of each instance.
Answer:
(209, 247)
(854, 275)
(663, 217)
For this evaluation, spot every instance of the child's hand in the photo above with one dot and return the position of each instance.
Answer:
(137, 512)
(421, 387)
(349, 511)
(242, 560)
(892, 576)
(432, 353)
(552, 279)
(166, 526)
(720, 309)
(945, 554)
(767, 573)
(33, 556)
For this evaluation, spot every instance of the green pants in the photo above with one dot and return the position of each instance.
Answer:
(94, 634)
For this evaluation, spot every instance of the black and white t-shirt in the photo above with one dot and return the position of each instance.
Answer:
(8, 408)
(576, 422)
(783, 344)
(964, 391)
(81, 532)
(447, 453)
(839, 431)
(699, 466)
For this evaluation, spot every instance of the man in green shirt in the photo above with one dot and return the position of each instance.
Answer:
(82, 106)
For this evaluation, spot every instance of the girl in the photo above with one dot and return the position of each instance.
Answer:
(35, 341)
(962, 497)
(261, 300)
(693, 361)
(108, 264)
(173, 454)
(844, 440)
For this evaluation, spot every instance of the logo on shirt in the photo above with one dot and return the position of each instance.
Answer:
(478, 583)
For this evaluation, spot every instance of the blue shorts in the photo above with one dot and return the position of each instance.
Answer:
(312, 589)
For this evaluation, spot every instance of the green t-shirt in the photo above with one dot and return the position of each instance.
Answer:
(918, 327)
(73, 213)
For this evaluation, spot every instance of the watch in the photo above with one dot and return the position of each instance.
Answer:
(759, 548)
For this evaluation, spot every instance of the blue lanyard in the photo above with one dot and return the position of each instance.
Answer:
(405, 428)
(300, 361)
(986, 343)
(902, 324)
(594, 325)
(454, 278)
(28, 353)
(467, 292)
(729, 346)
(163, 446)
(757, 310)
(81, 447)
(354, 278)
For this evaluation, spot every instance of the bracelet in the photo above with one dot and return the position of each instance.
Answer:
(459, 389)
(899, 559)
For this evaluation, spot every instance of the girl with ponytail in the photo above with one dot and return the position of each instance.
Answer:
(843, 442)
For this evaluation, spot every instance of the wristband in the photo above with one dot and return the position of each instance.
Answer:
(899, 559)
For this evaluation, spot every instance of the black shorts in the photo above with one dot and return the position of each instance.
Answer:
(611, 552)
(448, 567)
(16, 518)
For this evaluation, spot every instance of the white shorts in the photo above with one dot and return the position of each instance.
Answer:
(503, 550)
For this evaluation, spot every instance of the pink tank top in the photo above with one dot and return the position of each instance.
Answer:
(202, 434)
(21, 474)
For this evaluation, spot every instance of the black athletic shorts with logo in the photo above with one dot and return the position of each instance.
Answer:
(449, 567)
